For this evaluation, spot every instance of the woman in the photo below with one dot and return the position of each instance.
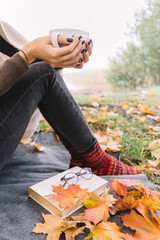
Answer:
(26, 84)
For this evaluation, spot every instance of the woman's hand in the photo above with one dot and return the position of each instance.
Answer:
(86, 53)
(41, 48)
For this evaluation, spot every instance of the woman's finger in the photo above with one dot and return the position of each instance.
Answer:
(79, 65)
(63, 40)
(85, 55)
(89, 46)
(69, 49)
(74, 55)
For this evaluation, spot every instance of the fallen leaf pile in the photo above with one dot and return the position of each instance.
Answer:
(131, 195)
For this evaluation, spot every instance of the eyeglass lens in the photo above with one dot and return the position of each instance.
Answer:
(71, 178)
(86, 173)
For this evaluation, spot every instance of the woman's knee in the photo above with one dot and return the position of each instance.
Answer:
(40, 69)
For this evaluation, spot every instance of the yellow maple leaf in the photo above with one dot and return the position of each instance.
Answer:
(53, 226)
(149, 203)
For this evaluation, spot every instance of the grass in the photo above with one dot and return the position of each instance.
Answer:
(124, 95)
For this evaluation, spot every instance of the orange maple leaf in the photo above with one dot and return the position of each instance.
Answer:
(67, 197)
(120, 185)
(97, 214)
(147, 227)
(145, 110)
(98, 206)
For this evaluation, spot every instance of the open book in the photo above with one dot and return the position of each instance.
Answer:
(41, 189)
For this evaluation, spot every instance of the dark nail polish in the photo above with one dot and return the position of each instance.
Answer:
(83, 42)
(82, 50)
(78, 65)
(85, 49)
(81, 59)
(69, 39)
(89, 42)
(80, 38)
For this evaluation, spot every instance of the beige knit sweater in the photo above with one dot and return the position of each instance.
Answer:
(13, 68)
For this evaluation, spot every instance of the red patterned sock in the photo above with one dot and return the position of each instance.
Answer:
(76, 158)
(102, 163)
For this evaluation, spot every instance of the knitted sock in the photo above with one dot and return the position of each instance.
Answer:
(76, 158)
(102, 163)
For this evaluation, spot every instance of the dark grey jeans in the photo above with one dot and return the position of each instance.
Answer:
(41, 86)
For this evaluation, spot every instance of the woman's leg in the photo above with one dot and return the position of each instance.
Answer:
(40, 86)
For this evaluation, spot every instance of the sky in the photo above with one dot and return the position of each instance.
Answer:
(105, 20)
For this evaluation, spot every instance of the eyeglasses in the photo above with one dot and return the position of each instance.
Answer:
(72, 178)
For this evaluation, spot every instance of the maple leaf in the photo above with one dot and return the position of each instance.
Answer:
(150, 198)
(93, 200)
(97, 214)
(109, 198)
(98, 209)
(98, 206)
(147, 227)
(71, 233)
(120, 185)
(145, 110)
(67, 197)
(149, 203)
(106, 231)
(122, 204)
(53, 226)
(136, 194)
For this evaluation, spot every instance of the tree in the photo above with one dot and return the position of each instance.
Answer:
(128, 68)
(140, 60)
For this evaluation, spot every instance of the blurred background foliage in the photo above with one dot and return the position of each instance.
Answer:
(138, 64)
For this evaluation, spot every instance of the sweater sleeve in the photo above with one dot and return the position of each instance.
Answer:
(7, 48)
(10, 71)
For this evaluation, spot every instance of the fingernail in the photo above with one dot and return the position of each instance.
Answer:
(90, 42)
(78, 65)
(69, 39)
(80, 38)
(85, 49)
(83, 42)
(82, 50)
(81, 59)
